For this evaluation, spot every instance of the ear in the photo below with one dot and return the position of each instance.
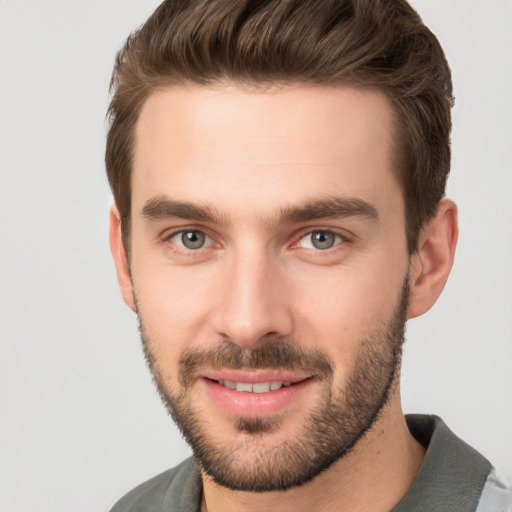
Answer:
(120, 260)
(432, 263)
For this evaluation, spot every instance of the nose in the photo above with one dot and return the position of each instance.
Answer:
(252, 302)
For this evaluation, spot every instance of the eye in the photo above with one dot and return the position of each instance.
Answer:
(190, 239)
(320, 240)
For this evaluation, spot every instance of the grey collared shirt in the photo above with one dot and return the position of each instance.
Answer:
(453, 478)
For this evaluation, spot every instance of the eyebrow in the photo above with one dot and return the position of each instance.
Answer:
(330, 207)
(163, 207)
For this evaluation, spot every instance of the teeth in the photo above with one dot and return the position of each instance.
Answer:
(260, 387)
(243, 386)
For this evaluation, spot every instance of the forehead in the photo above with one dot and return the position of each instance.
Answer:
(237, 147)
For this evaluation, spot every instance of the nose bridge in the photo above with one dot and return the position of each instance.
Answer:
(253, 299)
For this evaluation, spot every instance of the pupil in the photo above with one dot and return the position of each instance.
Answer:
(323, 240)
(192, 239)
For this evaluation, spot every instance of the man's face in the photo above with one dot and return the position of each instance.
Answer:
(268, 254)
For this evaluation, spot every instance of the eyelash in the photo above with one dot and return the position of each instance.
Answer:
(179, 249)
(340, 239)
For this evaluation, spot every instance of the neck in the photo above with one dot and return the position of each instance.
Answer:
(373, 477)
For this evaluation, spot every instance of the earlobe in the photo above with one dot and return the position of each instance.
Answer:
(432, 263)
(120, 259)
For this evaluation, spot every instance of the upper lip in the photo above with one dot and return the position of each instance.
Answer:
(256, 376)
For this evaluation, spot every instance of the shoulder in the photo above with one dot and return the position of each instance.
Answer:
(175, 490)
(452, 476)
(496, 495)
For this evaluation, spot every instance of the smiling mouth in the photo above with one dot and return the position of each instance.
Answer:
(251, 395)
(258, 387)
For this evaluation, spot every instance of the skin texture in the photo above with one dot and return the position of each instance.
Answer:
(341, 415)
(249, 169)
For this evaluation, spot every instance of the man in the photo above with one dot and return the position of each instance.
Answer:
(278, 169)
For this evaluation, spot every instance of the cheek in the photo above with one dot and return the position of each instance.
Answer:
(335, 313)
(173, 304)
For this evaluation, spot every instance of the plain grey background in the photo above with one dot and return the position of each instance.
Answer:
(80, 421)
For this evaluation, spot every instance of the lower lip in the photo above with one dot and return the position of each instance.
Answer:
(253, 405)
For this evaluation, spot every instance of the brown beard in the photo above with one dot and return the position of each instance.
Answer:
(344, 414)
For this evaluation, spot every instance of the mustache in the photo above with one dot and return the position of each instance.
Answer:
(276, 354)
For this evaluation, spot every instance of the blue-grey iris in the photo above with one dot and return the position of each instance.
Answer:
(193, 239)
(322, 239)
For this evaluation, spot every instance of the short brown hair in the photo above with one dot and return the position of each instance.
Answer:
(373, 43)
